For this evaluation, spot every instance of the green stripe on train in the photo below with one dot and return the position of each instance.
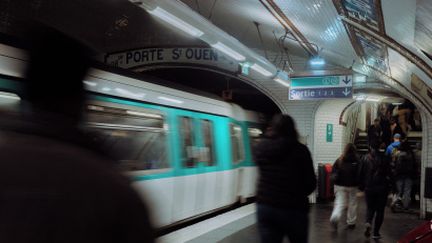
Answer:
(221, 139)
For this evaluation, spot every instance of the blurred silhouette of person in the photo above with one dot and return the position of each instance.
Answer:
(345, 175)
(375, 180)
(396, 129)
(416, 180)
(286, 179)
(374, 134)
(417, 120)
(403, 117)
(386, 130)
(55, 184)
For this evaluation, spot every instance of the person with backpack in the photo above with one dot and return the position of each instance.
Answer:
(396, 143)
(375, 181)
(345, 178)
(404, 171)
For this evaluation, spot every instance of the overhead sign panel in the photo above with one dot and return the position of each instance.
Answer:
(364, 11)
(192, 55)
(322, 81)
(375, 52)
(325, 87)
(320, 93)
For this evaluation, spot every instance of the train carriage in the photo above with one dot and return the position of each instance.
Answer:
(187, 154)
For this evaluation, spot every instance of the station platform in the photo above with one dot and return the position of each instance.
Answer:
(239, 226)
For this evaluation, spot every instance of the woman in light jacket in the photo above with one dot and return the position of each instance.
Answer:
(345, 175)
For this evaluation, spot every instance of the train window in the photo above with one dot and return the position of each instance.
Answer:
(207, 152)
(237, 145)
(137, 139)
(135, 150)
(254, 135)
(189, 153)
(102, 115)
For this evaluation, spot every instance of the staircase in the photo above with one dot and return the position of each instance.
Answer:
(414, 138)
(361, 142)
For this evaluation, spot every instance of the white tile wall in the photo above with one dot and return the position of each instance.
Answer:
(328, 113)
(303, 113)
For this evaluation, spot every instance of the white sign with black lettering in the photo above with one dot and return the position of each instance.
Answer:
(192, 55)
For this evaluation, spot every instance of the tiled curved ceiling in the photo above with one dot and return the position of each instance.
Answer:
(423, 27)
(393, 38)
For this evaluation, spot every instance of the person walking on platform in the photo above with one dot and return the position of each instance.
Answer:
(286, 179)
(344, 175)
(375, 181)
(404, 172)
(56, 184)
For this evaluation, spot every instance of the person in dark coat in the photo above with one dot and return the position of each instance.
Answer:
(286, 179)
(56, 185)
(374, 134)
(344, 175)
(375, 181)
(386, 134)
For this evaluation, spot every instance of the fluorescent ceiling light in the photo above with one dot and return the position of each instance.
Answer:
(230, 52)
(373, 99)
(137, 113)
(175, 21)
(317, 61)
(261, 70)
(397, 103)
(283, 82)
(106, 89)
(89, 83)
(170, 99)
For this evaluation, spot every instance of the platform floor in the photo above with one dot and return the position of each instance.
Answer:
(239, 226)
(395, 225)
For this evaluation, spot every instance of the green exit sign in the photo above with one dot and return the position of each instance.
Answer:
(329, 133)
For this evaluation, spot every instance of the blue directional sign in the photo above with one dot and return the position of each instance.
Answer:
(320, 93)
(321, 87)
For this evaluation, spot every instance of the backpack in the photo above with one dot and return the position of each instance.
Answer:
(378, 178)
(404, 163)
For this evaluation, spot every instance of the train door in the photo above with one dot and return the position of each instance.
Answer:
(186, 182)
(238, 155)
(206, 164)
(196, 185)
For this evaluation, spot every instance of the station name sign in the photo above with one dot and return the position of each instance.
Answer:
(323, 87)
(182, 55)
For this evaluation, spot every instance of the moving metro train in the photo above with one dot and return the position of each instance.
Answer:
(187, 154)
